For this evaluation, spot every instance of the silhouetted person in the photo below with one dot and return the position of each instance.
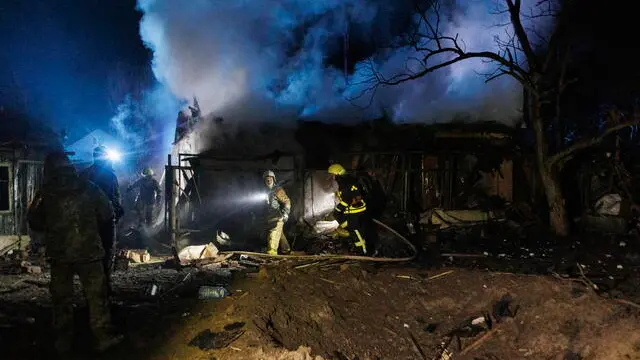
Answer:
(69, 211)
(101, 173)
(148, 197)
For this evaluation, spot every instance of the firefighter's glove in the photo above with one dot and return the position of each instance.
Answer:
(285, 217)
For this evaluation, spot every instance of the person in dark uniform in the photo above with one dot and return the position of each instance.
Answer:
(148, 197)
(351, 211)
(101, 173)
(69, 211)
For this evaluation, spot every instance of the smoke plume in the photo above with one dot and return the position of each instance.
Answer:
(274, 59)
(140, 123)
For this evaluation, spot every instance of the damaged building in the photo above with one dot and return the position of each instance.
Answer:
(429, 176)
(23, 146)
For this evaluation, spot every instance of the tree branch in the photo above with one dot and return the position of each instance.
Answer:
(461, 55)
(437, 50)
(521, 34)
(561, 86)
(565, 154)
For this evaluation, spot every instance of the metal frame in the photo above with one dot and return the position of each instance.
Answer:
(173, 187)
(407, 166)
(20, 216)
(10, 183)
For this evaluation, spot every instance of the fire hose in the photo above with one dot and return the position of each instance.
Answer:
(335, 256)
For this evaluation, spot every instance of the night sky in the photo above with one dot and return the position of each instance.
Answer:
(59, 57)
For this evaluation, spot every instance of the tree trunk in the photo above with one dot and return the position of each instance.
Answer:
(557, 213)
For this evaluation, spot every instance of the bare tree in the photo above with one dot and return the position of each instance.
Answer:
(536, 61)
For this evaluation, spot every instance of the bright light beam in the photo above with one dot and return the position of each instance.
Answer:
(114, 155)
(257, 197)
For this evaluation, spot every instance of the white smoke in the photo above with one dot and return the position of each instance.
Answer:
(124, 112)
(140, 122)
(239, 58)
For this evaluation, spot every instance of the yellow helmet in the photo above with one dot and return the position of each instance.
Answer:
(147, 172)
(336, 169)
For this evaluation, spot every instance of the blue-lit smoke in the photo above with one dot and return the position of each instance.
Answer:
(264, 59)
(141, 122)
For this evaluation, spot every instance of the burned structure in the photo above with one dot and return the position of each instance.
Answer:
(427, 176)
(601, 183)
(23, 146)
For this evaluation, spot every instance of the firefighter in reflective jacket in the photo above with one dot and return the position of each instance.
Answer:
(277, 214)
(351, 211)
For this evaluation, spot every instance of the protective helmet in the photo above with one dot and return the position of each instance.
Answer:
(147, 172)
(100, 152)
(336, 169)
(269, 173)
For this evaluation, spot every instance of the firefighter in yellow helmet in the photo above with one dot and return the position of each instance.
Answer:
(351, 211)
(278, 209)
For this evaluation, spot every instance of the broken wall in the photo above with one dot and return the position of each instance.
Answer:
(230, 195)
(416, 169)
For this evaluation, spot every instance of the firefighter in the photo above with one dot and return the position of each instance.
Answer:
(101, 173)
(69, 211)
(277, 214)
(351, 211)
(148, 197)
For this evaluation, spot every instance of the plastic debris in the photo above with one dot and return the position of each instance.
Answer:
(153, 290)
(222, 238)
(212, 292)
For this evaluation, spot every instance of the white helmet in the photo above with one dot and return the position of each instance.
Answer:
(269, 173)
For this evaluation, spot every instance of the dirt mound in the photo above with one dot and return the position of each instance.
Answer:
(348, 312)
(394, 313)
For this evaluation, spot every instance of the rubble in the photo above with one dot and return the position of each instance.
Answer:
(208, 340)
(31, 269)
(197, 252)
(137, 255)
(444, 219)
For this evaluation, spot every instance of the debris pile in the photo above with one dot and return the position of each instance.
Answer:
(17, 262)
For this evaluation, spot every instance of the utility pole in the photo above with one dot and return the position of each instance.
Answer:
(345, 47)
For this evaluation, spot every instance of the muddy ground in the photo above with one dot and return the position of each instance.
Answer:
(339, 311)
(313, 311)
(364, 312)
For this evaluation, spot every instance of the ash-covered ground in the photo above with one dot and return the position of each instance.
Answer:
(332, 309)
